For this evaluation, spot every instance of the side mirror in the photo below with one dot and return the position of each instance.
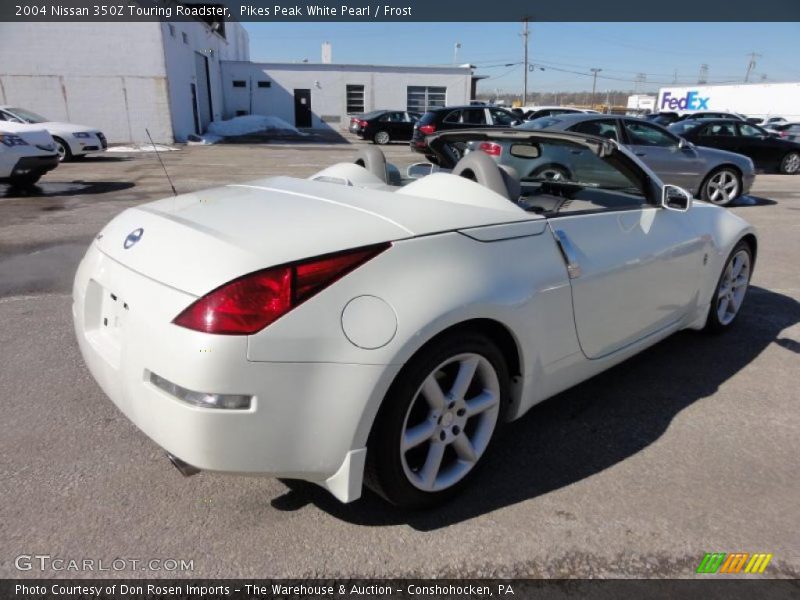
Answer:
(685, 144)
(420, 170)
(675, 198)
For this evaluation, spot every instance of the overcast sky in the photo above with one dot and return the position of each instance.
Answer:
(565, 50)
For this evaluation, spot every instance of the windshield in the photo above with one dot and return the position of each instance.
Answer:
(26, 115)
(559, 169)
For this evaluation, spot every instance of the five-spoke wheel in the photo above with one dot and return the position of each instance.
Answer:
(722, 187)
(731, 288)
(437, 421)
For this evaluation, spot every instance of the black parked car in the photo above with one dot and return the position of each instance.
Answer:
(384, 126)
(459, 117)
(767, 151)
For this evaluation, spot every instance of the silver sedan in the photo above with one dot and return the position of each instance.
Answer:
(713, 175)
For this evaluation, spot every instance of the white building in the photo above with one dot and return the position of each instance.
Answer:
(121, 77)
(175, 78)
(322, 95)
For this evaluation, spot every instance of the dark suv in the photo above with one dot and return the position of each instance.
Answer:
(459, 117)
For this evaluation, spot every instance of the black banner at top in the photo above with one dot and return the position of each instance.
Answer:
(399, 10)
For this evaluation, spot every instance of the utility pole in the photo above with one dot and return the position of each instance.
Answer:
(595, 71)
(751, 65)
(675, 77)
(703, 77)
(525, 35)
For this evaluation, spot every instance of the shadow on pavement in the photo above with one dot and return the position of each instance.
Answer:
(46, 189)
(101, 158)
(590, 427)
(746, 201)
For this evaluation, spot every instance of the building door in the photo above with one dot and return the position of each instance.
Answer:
(302, 108)
(197, 129)
(203, 101)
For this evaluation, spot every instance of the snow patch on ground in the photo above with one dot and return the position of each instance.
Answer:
(245, 125)
(141, 148)
(250, 124)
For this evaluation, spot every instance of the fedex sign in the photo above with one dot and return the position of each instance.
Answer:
(691, 101)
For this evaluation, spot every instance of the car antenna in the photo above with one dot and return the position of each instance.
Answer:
(174, 193)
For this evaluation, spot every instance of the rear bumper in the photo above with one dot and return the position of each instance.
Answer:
(28, 165)
(302, 422)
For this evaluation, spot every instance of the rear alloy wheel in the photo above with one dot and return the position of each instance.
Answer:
(62, 148)
(790, 165)
(722, 187)
(437, 421)
(731, 289)
(381, 138)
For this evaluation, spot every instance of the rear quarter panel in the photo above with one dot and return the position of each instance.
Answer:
(433, 283)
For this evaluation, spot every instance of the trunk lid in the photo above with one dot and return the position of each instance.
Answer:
(197, 242)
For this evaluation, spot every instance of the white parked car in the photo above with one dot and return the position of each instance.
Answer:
(26, 153)
(71, 140)
(340, 329)
(535, 112)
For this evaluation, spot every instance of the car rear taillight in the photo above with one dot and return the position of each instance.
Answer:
(250, 303)
(363, 123)
(427, 129)
(491, 148)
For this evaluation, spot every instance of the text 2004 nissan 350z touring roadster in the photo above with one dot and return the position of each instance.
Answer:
(363, 327)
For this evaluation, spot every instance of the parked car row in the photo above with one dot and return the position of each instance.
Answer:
(31, 145)
(715, 156)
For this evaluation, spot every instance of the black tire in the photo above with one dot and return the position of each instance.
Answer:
(562, 173)
(381, 137)
(431, 158)
(384, 471)
(25, 180)
(790, 164)
(64, 152)
(713, 322)
(705, 192)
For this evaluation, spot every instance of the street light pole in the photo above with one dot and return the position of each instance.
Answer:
(595, 71)
(455, 52)
(525, 35)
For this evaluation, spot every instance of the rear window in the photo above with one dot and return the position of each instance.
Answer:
(540, 123)
(682, 127)
(428, 117)
(372, 115)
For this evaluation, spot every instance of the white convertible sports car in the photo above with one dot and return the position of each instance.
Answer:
(348, 329)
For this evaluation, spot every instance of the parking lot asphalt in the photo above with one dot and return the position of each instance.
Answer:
(688, 448)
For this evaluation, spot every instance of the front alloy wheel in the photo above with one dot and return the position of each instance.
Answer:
(731, 288)
(63, 150)
(722, 187)
(437, 421)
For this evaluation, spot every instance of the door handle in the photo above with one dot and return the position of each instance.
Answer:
(569, 253)
(641, 154)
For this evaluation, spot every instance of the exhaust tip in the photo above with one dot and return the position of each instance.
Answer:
(184, 468)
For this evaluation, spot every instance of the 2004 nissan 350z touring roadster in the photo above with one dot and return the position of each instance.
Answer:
(367, 327)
